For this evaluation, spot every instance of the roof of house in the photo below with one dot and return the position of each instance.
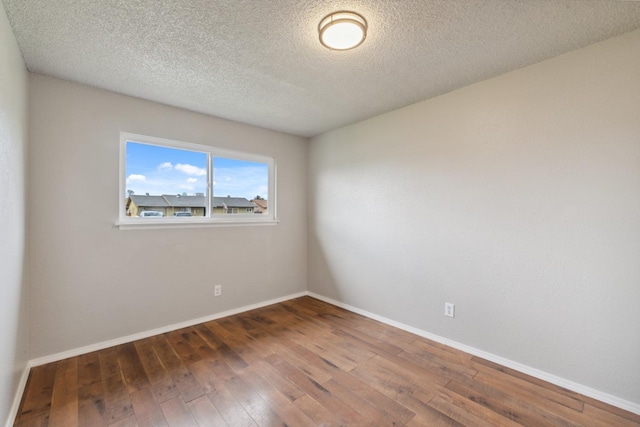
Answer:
(185, 201)
(178, 201)
(261, 203)
(149, 201)
(232, 202)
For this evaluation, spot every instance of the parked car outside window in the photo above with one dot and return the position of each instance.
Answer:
(151, 213)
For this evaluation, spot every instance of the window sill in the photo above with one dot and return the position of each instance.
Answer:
(148, 223)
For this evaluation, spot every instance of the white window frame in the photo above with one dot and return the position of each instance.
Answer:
(128, 222)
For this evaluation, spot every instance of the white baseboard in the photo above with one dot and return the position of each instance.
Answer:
(553, 379)
(146, 334)
(22, 384)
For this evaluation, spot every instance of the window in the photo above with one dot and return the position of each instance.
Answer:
(167, 182)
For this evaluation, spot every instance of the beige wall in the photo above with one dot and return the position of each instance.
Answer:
(517, 199)
(13, 153)
(93, 282)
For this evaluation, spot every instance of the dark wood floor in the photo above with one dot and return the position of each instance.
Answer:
(298, 363)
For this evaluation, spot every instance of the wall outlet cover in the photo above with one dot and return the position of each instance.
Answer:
(449, 309)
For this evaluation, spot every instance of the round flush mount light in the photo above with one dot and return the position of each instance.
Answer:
(342, 30)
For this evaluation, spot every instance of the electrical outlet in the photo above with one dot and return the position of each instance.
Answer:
(449, 309)
(217, 290)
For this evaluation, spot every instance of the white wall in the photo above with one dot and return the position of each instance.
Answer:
(92, 282)
(13, 153)
(517, 199)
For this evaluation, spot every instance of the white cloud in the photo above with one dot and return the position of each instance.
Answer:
(165, 166)
(136, 177)
(192, 180)
(191, 170)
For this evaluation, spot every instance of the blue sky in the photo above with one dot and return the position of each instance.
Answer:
(162, 170)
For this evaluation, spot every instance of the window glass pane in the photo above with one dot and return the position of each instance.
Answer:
(164, 181)
(240, 187)
(174, 181)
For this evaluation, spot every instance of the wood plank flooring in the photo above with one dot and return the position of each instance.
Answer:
(299, 363)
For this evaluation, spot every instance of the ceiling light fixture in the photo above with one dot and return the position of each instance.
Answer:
(342, 30)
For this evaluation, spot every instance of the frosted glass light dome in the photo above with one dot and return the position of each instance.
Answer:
(342, 30)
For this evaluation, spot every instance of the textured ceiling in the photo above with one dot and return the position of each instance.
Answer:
(260, 62)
